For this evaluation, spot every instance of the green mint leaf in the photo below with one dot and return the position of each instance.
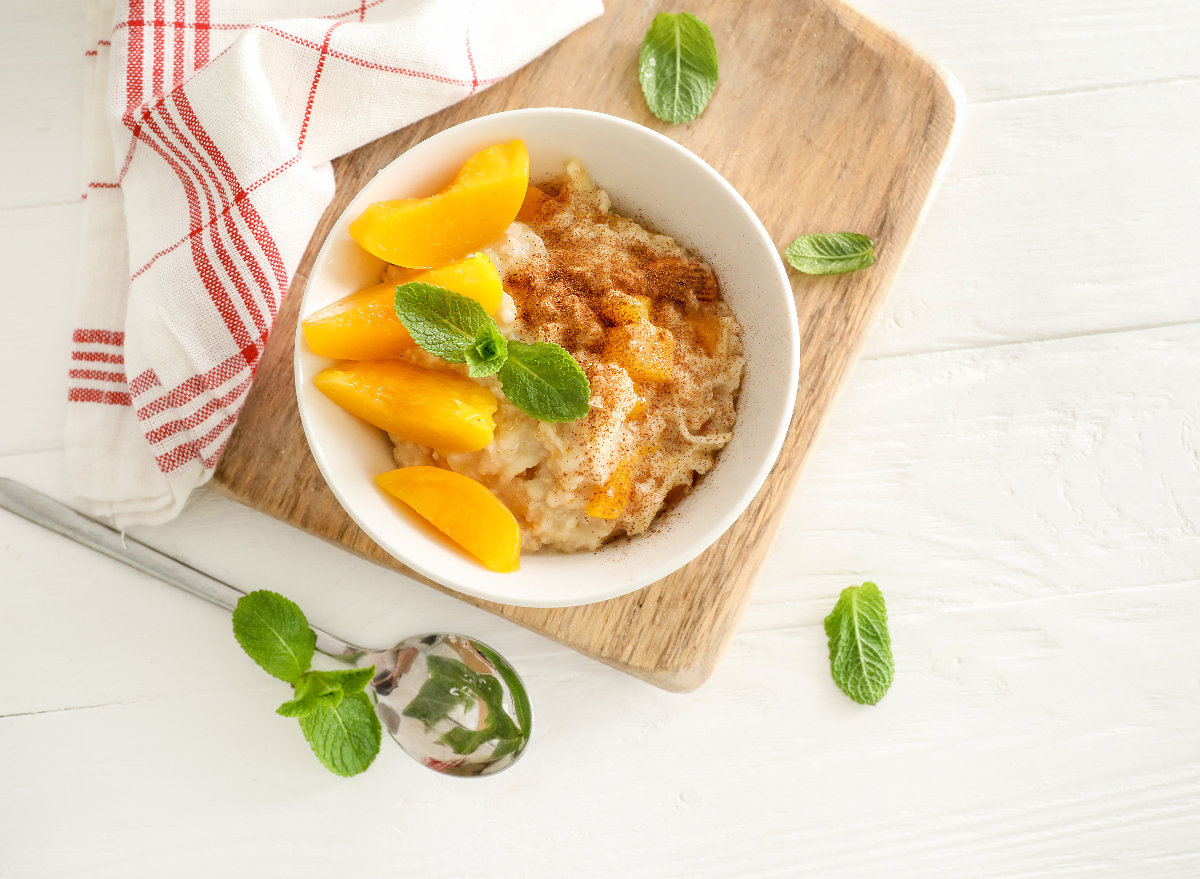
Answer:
(349, 680)
(833, 254)
(444, 323)
(678, 66)
(275, 634)
(545, 382)
(860, 649)
(542, 380)
(328, 688)
(336, 716)
(300, 707)
(346, 737)
(311, 693)
(487, 353)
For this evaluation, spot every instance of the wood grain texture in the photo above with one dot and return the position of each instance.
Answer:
(824, 122)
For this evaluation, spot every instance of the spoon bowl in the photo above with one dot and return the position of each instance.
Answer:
(453, 704)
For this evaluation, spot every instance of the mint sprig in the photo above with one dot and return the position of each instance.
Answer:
(832, 254)
(543, 380)
(451, 326)
(860, 648)
(487, 353)
(335, 713)
(318, 688)
(677, 66)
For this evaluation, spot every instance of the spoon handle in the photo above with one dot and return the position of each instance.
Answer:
(49, 513)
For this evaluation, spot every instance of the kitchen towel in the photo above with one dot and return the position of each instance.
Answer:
(210, 128)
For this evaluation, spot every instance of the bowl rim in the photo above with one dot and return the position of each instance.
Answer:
(719, 525)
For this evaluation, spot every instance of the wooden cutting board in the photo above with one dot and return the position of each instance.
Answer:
(824, 122)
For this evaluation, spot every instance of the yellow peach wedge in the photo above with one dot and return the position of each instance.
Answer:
(468, 214)
(463, 510)
(622, 309)
(639, 409)
(433, 407)
(708, 332)
(533, 205)
(609, 500)
(364, 326)
(645, 351)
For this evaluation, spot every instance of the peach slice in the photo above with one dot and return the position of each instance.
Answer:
(364, 326)
(639, 409)
(468, 214)
(433, 407)
(622, 309)
(609, 499)
(533, 205)
(708, 332)
(643, 350)
(463, 510)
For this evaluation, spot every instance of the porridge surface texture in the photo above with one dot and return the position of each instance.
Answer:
(662, 353)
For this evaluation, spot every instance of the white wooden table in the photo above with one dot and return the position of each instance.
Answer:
(1016, 461)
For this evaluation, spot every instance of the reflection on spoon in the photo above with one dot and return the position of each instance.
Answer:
(452, 703)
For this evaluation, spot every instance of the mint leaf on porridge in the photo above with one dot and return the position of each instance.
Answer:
(678, 66)
(487, 353)
(544, 381)
(444, 323)
(860, 648)
(833, 254)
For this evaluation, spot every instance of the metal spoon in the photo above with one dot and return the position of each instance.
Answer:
(453, 703)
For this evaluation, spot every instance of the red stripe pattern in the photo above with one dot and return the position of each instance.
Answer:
(98, 395)
(103, 386)
(98, 337)
(97, 357)
(312, 90)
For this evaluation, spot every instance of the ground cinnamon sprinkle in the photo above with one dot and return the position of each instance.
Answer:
(580, 296)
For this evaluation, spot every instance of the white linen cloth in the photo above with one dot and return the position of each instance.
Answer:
(210, 127)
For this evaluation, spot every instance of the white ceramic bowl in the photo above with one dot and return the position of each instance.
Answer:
(650, 178)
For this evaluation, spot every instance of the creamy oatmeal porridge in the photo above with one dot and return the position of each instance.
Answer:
(662, 353)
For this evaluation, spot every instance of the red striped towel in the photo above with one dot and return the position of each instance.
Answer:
(211, 126)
